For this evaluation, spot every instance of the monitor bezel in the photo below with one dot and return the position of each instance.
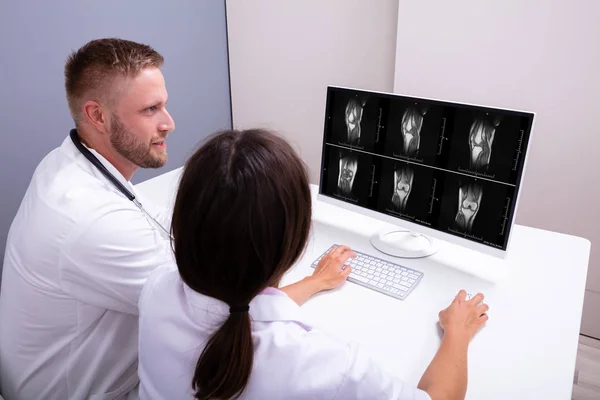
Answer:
(405, 224)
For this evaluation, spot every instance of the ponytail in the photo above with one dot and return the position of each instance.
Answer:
(248, 189)
(224, 367)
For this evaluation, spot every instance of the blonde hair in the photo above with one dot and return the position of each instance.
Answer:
(90, 72)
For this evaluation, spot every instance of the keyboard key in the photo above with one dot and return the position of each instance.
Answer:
(412, 276)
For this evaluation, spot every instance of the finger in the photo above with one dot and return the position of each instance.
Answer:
(477, 299)
(331, 251)
(342, 258)
(338, 250)
(482, 309)
(462, 295)
(346, 271)
(483, 318)
(346, 252)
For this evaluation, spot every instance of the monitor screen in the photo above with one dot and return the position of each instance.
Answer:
(454, 168)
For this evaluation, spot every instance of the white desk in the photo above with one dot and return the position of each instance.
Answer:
(527, 349)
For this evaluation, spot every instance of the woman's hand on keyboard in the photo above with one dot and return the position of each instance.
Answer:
(332, 270)
(328, 274)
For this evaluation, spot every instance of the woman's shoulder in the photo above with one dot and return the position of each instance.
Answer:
(159, 279)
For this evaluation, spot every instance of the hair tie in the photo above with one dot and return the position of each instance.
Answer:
(239, 309)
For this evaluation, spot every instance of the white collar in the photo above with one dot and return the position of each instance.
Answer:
(271, 305)
(69, 146)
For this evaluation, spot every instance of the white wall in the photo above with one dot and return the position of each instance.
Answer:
(283, 54)
(538, 55)
(511, 53)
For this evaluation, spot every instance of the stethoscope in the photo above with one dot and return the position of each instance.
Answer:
(96, 163)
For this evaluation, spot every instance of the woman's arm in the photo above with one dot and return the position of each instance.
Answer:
(446, 376)
(330, 273)
(303, 290)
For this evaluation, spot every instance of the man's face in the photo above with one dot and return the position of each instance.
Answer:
(139, 122)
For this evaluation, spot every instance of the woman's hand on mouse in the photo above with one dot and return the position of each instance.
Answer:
(333, 269)
(446, 375)
(463, 318)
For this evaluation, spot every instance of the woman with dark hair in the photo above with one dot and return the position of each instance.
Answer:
(218, 327)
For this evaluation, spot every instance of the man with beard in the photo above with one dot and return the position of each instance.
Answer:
(78, 250)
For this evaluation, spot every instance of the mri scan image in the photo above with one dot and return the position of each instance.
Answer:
(348, 169)
(412, 121)
(353, 118)
(403, 182)
(481, 139)
(469, 203)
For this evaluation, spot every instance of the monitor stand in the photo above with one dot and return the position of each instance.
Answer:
(404, 244)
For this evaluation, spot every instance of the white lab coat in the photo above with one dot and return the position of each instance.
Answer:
(77, 255)
(292, 359)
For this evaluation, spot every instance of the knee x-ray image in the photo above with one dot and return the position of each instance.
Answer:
(413, 131)
(408, 191)
(469, 203)
(356, 119)
(347, 173)
(403, 182)
(353, 118)
(412, 122)
(481, 139)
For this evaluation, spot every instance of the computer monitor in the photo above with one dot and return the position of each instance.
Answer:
(436, 169)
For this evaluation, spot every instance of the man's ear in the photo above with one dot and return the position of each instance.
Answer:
(95, 115)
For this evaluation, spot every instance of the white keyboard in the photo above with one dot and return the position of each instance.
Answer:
(382, 276)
